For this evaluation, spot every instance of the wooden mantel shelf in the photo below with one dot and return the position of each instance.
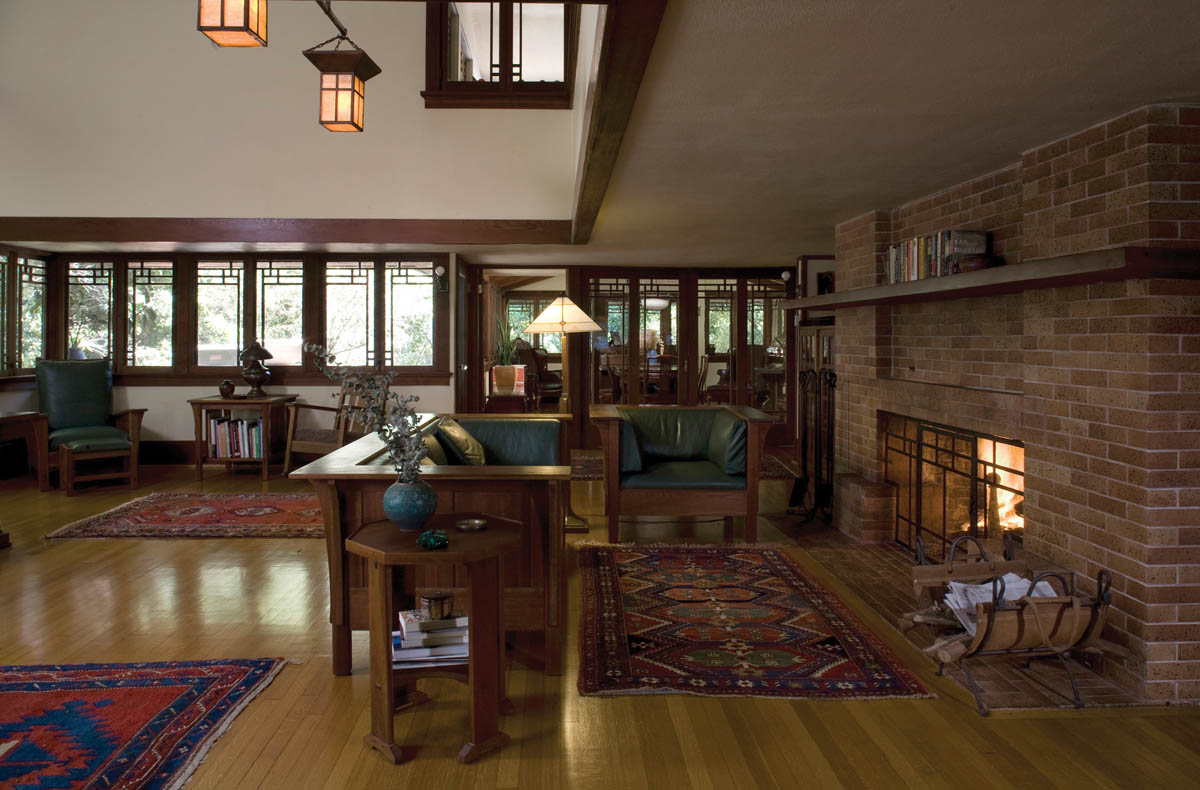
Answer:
(1122, 263)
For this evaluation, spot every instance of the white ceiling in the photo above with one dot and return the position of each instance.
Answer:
(763, 123)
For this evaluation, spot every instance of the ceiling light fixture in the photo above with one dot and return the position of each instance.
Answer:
(234, 23)
(243, 23)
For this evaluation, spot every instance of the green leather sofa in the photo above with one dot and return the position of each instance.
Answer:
(682, 461)
(506, 441)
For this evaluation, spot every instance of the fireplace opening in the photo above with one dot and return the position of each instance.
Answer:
(951, 482)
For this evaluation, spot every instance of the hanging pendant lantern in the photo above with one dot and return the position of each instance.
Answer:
(234, 23)
(343, 95)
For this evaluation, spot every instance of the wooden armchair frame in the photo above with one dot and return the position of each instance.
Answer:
(345, 424)
(681, 501)
(130, 421)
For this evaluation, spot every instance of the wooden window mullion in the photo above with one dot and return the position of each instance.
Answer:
(250, 329)
(506, 45)
(381, 293)
(185, 314)
(313, 307)
(120, 315)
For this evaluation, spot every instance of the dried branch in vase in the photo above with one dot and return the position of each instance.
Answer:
(389, 414)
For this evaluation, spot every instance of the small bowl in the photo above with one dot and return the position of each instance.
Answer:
(470, 524)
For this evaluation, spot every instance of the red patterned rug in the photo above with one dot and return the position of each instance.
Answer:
(194, 515)
(119, 725)
(724, 621)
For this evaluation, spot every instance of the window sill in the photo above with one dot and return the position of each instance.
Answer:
(278, 379)
(490, 99)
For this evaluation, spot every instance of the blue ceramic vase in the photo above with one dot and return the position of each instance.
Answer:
(409, 505)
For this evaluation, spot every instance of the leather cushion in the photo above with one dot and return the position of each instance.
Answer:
(434, 453)
(670, 434)
(458, 444)
(516, 442)
(727, 443)
(75, 393)
(631, 454)
(91, 437)
(684, 475)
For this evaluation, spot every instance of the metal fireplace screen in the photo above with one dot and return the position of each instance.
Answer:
(951, 482)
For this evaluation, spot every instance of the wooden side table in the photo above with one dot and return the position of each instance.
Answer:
(266, 408)
(507, 404)
(387, 550)
(33, 427)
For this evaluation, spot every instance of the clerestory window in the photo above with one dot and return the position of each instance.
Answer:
(502, 54)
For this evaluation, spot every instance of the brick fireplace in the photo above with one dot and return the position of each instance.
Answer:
(1099, 380)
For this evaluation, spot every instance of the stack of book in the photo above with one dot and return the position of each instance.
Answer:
(422, 642)
(933, 256)
(234, 438)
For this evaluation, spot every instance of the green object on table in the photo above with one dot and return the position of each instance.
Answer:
(433, 539)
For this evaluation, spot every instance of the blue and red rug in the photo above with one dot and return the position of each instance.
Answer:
(119, 725)
(724, 621)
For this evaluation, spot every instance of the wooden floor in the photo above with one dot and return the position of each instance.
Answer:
(76, 601)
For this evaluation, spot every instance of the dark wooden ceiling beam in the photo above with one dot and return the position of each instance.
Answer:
(629, 32)
(32, 230)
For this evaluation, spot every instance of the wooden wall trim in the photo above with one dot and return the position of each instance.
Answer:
(36, 231)
(628, 34)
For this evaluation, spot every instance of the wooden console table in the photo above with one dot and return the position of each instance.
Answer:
(350, 481)
(267, 409)
(387, 550)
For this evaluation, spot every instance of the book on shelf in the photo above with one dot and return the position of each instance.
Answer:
(417, 631)
(934, 255)
(430, 663)
(447, 636)
(235, 438)
(411, 621)
(436, 653)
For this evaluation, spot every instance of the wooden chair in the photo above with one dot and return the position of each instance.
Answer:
(702, 379)
(76, 397)
(347, 426)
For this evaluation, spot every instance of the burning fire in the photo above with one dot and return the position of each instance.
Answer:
(1003, 503)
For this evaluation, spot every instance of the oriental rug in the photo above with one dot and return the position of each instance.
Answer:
(195, 515)
(724, 621)
(119, 725)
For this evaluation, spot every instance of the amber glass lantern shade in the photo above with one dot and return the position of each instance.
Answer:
(234, 23)
(343, 95)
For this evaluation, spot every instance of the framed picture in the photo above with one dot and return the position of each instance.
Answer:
(817, 278)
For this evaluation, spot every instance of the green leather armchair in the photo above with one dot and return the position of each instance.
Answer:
(682, 461)
(76, 397)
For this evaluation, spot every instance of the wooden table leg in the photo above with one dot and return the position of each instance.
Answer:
(39, 453)
(383, 729)
(486, 648)
(264, 413)
(198, 418)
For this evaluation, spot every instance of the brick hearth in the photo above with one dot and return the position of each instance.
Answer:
(1101, 382)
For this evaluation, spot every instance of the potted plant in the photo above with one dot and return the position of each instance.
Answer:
(410, 501)
(508, 378)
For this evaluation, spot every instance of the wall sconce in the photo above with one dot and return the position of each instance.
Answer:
(234, 23)
(440, 278)
(343, 95)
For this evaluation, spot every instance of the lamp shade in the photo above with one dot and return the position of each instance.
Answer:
(234, 23)
(343, 95)
(562, 315)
